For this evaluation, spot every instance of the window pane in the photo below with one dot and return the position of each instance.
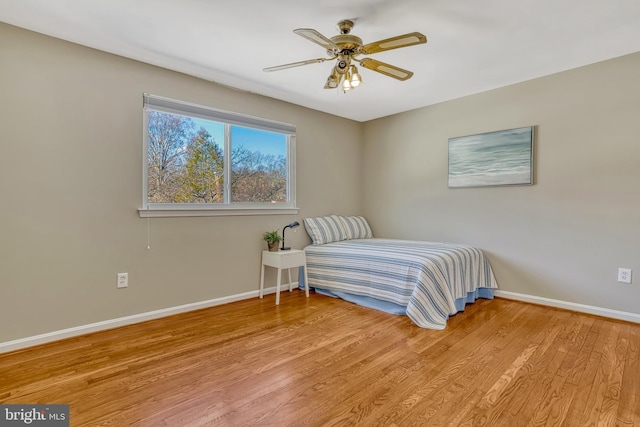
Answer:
(185, 159)
(200, 159)
(258, 166)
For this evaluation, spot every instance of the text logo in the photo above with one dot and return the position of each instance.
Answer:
(34, 415)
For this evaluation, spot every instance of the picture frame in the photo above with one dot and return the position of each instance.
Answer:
(499, 158)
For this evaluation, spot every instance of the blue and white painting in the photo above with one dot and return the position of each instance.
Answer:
(496, 158)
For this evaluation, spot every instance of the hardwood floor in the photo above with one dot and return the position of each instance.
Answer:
(321, 361)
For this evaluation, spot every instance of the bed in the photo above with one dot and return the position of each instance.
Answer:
(426, 281)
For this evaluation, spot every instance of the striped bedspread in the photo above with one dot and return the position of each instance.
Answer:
(426, 278)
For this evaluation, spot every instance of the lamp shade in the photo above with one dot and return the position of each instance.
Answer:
(356, 79)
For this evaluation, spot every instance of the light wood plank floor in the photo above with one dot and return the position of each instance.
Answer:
(321, 361)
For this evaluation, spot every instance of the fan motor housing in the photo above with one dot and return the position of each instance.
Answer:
(347, 42)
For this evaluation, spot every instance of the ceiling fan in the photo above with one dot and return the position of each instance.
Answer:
(345, 48)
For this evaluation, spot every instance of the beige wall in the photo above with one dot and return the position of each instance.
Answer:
(562, 238)
(71, 184)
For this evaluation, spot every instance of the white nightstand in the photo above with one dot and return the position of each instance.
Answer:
(284, 259)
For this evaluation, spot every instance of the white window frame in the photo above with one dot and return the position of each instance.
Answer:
(167, 105)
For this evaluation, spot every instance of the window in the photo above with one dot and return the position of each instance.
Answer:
(201, 161)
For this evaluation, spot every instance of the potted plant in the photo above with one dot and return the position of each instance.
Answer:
(272, 238)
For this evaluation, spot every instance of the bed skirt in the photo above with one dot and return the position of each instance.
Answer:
(390, 307)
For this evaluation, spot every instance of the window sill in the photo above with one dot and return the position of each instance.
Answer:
(221, 211)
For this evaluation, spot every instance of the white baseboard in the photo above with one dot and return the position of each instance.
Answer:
(150, 315)
(598, 311)
(128, 320)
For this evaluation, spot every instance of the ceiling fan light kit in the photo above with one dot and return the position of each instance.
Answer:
(345, 47)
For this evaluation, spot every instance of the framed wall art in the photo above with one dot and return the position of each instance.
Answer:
(502, 157)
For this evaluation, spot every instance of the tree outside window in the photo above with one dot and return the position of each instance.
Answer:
(186, 162)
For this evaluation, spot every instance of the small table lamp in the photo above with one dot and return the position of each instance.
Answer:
(294, 224)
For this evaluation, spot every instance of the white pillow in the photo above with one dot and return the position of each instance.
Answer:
(357, 227)
(326, 229)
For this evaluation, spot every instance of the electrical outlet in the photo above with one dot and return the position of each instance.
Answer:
(624, 275)
(123, 280)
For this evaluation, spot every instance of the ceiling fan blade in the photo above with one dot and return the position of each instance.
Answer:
(296, 64)
(386, 69)
(316, 37)
(393, 43)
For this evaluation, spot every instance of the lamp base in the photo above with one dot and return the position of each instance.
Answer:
(285, 249)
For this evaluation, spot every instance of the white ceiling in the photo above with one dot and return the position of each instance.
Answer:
(473, 45)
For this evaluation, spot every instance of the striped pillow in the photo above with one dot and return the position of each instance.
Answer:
(325, 229)
(357, 227)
